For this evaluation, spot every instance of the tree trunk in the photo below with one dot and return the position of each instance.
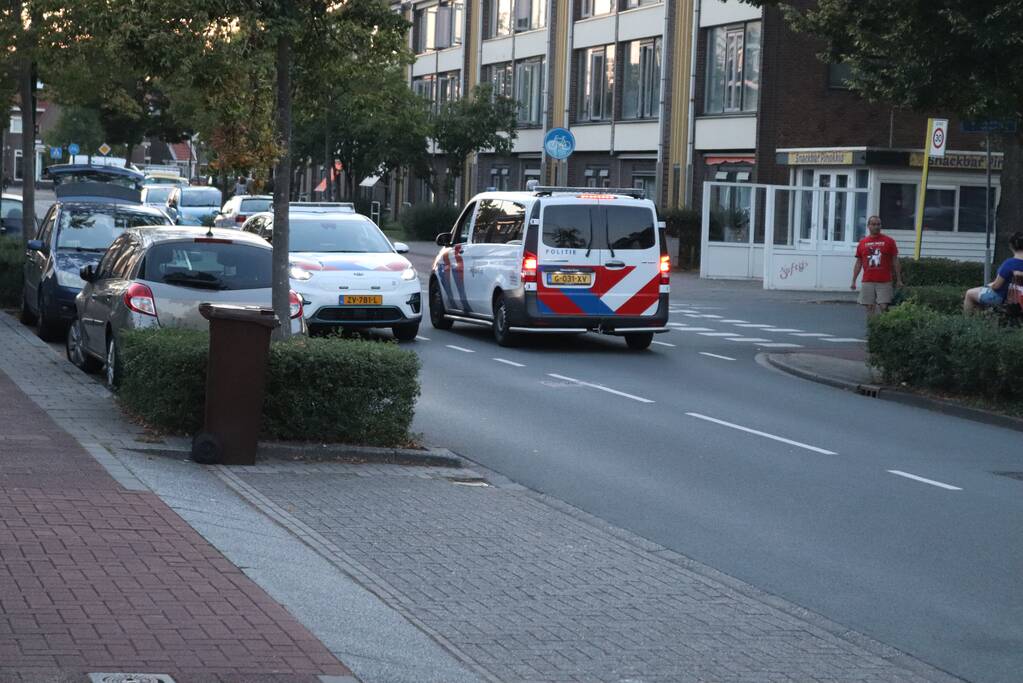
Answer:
(27, 87)
(1009, 215)
(282, 188)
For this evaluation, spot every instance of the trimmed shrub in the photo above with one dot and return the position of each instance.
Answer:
(966, 355)
(426, 221)
(685, 224)
(12, 260)
(941, 298)
(326, 389)
(940, 271)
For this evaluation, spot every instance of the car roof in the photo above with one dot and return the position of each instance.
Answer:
(317, 215)
(149, 236)
(108, 206)
(253, 196)
(8, 197)
(568, 195)
(102, 169)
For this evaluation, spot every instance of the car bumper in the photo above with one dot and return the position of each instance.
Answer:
(524, 314)
(61, 303)
(325, 309)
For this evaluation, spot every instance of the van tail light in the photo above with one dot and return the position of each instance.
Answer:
(529, 267)
(139, 298)
(295, 302)
(665, 269)
(240, 218)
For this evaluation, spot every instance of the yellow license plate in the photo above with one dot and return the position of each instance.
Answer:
(571, 278)
(361, 300)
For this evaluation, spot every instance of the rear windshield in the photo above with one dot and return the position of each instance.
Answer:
(94, 228)
(255, 205)
(159, 195)
(331, 234)
(11, 208)
(582, 226)
(205, 197)
(208, 265)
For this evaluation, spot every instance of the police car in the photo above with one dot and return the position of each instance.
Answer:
(554, 260)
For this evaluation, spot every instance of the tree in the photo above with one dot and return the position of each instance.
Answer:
(957, 56)
(78, 125)
(475, 123)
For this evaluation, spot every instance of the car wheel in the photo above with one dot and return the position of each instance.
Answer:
(25, 314)
(405, 332)
(437, 311)
(502, 334)
(638, 341)
(111, 364)
(47, 329)
(76, 353)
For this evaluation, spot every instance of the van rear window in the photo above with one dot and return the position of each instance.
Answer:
(568, 226)
(580, 226)
(630, 227)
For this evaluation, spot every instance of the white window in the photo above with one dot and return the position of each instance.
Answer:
(16, 123)
(424, 86)
(529, 91)
(596, 68)
(631, 4)
(500, 18)
(449, 86)
(499, 176)
(952, 208)
(449, 24)
(19, 169)
(424, 29)
(595, 8)
(641, 88)
(733, 68)
(500, 76)
(530, 14)
(646, 182)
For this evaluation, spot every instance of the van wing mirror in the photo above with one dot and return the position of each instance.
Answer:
(401, 247)
(36, 245)
(87, 273)
(444, 239)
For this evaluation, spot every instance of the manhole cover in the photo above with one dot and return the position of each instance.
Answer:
(1011, 475)
(130, 678)
(468, 481)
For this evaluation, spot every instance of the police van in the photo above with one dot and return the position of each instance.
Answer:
(554, 260)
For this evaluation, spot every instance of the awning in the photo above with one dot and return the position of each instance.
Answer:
(369, 181)
(718, 159)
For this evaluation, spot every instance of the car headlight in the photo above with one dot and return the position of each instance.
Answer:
(297, 273)
(409, 274)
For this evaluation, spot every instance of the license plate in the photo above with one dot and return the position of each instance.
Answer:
(570, 278)
(361, 300)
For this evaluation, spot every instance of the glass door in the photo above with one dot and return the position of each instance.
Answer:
(834, 208)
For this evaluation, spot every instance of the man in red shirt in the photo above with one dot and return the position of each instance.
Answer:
(877, 256)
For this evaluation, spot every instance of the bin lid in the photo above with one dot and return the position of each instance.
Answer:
(258, 315)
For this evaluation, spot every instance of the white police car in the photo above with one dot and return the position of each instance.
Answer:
(346, 270)
(559, 260)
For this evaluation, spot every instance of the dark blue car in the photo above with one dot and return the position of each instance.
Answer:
(75, 232)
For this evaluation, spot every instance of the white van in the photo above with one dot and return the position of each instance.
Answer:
(555, 260)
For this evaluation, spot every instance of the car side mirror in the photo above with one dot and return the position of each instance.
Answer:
(36, 245)
(444, 239)
(401, 247)
(87, 273)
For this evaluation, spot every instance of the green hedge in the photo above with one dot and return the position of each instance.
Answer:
(940, 298)
(929, 272)
(686, 225)
(965, 355)
(12, 260)
(426, 221)
(325, 389)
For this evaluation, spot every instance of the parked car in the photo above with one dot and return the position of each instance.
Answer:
(157, 277)
(238, 208)
(11, 215)
(346, 270)
(156, 196)
(74, 234)
(554, 260)
(156, 178)
(196, 205)
(93, 174)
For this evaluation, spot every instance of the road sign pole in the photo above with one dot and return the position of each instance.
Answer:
(922, 198)
(987, 216)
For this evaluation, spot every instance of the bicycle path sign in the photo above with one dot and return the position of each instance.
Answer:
(559, 143)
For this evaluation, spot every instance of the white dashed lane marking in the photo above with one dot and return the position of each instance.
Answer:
(660, 343)
(600, 387)
(748, 340)
(718, 334)
(773, 437)
(785, 329)
(683, 328)
(940, 485)
(422, 338)
(510, 362)
(779, 345)
(459, 348)
(735, 321)
(845, 339)
(753, 325)
(714, 355)
(811, 334)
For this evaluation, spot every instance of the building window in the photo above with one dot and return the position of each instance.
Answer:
(839, 75)
(19, 172)
(595, 8)
(530, 14)
(596, 68)
(971, 208)
(424, 86)
(449, 87)
(424, 29)
(641, 89)
(529, 91)
(646, 182)
(946, 209)
(500, 18)
(500, 77)
(597, 177)
(499, 176)
(438, 27)
(632, 4)
(15, 124)
(733, 68)
(530, 174)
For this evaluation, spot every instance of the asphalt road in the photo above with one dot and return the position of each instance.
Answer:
(884, 518)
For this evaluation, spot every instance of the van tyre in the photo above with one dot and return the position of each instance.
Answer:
(47, 329)
(437, 319)
(638, 341)
(76, 352)
(25, 314)
(502, 334)
(406, 332)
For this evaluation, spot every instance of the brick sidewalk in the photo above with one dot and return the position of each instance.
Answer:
(98, 578)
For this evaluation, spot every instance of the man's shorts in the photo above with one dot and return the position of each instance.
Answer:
(880, 293)
(989, 297)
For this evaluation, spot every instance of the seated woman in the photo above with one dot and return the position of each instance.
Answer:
(994, 293)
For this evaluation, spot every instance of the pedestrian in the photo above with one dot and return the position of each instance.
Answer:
(877, 256)
(241, 187)
(993, 294)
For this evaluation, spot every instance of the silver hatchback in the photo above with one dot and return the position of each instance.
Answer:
(157, 277)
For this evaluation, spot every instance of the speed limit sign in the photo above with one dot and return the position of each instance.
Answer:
(939, 136)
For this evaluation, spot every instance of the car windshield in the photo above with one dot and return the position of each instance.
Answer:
(94, 228)
(255, 205)
(11, 209)
(162, 180)
(337, 235)
(201, 197)
(157, 195)
(208, 265)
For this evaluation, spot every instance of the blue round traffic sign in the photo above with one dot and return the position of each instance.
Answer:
(559, 143)
(73, 149)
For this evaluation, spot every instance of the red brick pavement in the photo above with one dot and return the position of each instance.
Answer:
(96, 578)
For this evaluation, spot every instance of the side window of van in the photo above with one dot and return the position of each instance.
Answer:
(463, 228)
(489, 214)
(509, 224)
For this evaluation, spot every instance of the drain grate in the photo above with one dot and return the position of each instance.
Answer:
(1011, 475)
(130, 678)
(469, 481)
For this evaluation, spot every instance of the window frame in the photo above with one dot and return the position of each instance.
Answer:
(587, 100)
(647, 89)
(533, 105)
(729, 90)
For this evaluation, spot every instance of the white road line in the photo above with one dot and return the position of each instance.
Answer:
(845, 339)
(752, 325)
(601, 388)
(735, 321)
(781, 346)
(717, 334)
(422, 338)
(763, 434)
(749, 340)
(693, 315)
(940, 485)
(510, 362)
(683, 328)
(663, 344)
(785, 329)
(810, 334)
(459, 348)
(710, 315)
(714, 355)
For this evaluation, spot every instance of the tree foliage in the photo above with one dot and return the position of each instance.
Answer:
(78, 125)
